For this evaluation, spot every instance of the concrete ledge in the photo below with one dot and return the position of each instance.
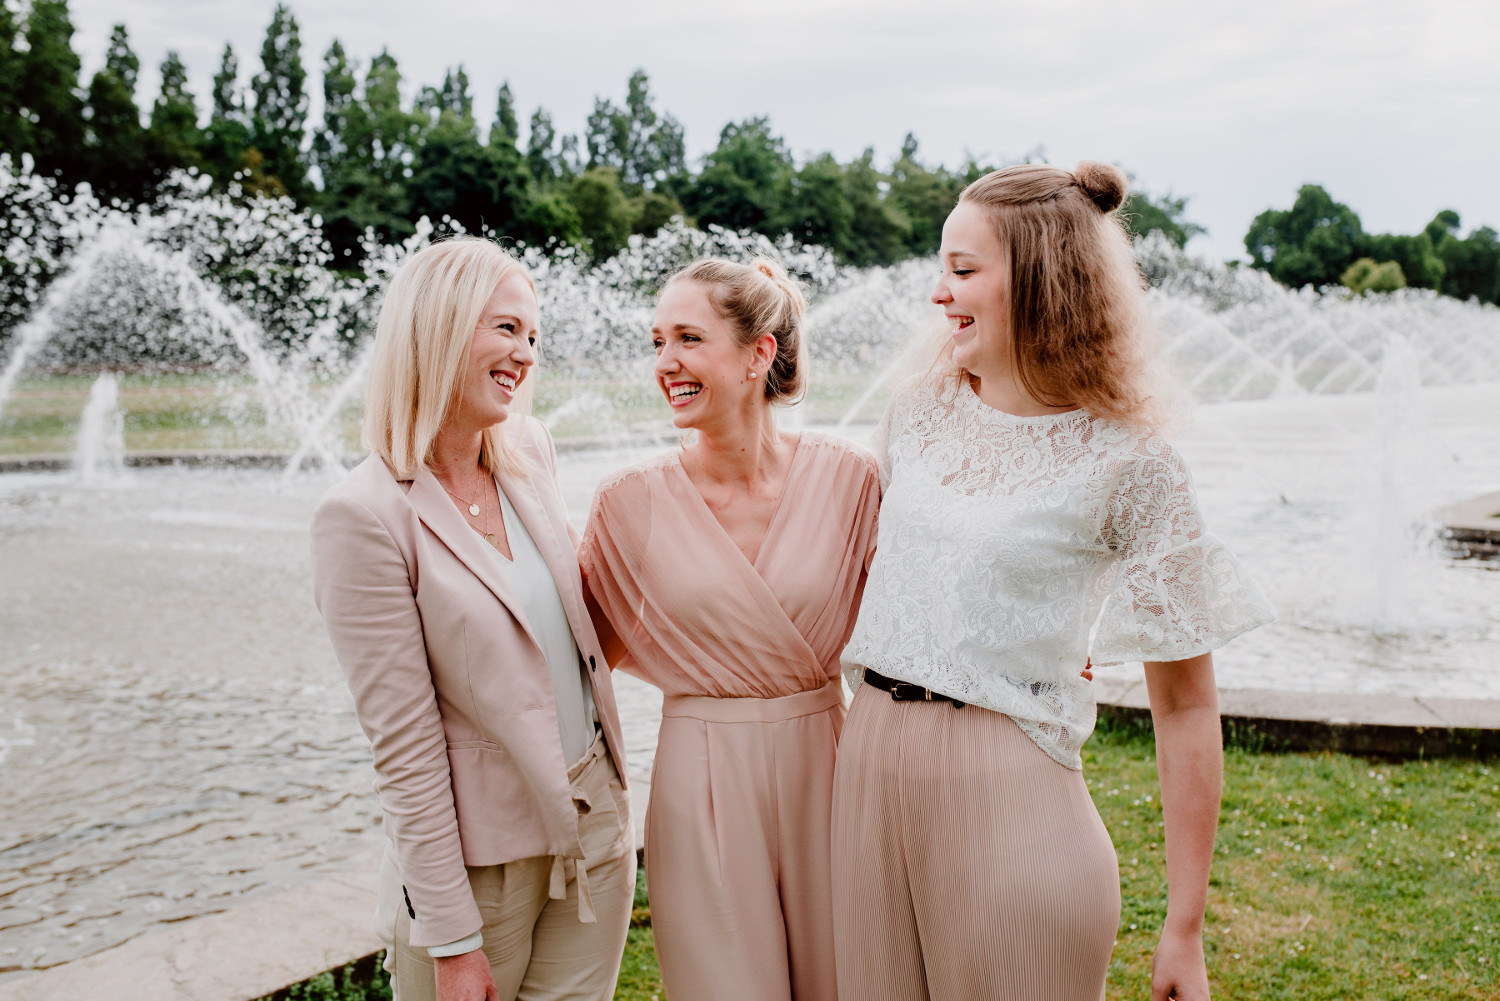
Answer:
(238, 955)
(1472, 528)
(1386, 725)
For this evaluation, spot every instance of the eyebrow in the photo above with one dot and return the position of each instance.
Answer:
(681, 326)
(959, 253)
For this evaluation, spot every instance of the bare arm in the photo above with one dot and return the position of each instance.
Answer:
(1190, 763)
(609, 640)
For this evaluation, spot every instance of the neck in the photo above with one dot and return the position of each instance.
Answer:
(999, 386)
(455, 454)
(744, 451)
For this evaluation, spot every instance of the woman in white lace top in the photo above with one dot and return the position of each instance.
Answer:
(1031, 518)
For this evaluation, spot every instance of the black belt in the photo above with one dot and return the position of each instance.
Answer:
(905, 691)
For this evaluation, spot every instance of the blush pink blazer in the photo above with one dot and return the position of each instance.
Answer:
(449, 683)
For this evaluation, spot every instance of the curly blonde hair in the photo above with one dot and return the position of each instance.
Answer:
(1080, 330)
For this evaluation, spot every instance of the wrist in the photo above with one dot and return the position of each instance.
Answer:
(1183, 927)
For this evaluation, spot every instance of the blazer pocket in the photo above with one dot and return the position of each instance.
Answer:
(483, 745)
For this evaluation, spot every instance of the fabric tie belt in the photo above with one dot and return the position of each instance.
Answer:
(711, 709)
(562, 866)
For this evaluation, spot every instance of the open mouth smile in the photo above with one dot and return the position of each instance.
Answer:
(958, 323)
(505, 381)
(680, 394)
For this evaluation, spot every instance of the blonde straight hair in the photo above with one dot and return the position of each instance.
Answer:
(422, 342)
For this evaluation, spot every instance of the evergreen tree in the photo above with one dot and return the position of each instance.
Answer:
(227, 138)
(47, 91)
(118, 157)
(506, 129)
(816, 206)
(280, 117)
(12, 129)
(173, 136)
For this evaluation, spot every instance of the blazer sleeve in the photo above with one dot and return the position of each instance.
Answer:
(365, 590)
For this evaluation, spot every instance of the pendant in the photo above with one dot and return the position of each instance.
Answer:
(490, 538)
(474, 510)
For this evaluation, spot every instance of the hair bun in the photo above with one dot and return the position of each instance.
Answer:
(789, 286)
(1103, 183)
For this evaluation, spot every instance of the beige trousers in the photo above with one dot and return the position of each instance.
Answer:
(537, 947)
(737, 847)
(967, 864)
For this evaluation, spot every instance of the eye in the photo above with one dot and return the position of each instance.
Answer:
(657, 342)
(963, 272)
(691, 337)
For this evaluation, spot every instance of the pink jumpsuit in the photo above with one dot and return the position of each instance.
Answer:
(737, 830)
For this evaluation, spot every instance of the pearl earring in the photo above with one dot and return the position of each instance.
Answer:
(752, 373)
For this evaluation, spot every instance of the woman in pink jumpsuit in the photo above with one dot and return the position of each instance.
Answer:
(730, 572)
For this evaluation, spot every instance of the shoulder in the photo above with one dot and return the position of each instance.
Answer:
(635, 478)
(836, 450)
(369, 486)
(535, 444)
(1138, 457)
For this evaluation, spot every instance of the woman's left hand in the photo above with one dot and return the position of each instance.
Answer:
(1178, 970)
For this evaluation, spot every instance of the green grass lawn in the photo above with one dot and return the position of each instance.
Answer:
(1335, 878)
(206, 412)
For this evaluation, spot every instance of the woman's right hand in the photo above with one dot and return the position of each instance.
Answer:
(465, 977)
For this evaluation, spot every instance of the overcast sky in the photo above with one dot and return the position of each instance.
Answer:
(1393, 106)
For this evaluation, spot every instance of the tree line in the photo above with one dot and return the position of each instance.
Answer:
(1319, 241)
(378, 162)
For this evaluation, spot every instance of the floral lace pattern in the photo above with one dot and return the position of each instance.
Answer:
(1005, 540)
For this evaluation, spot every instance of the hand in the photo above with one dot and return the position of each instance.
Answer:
(465, 977)
(1178, 970)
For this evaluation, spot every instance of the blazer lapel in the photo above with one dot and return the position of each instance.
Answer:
(438, 513)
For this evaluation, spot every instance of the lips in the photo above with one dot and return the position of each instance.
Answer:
(505, 380)
(957, 323)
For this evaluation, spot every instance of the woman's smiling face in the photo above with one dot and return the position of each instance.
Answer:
(701, 366)
(973, 290)
(502, 352)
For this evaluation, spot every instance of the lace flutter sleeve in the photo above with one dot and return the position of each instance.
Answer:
(892, 423)
(1176, 592)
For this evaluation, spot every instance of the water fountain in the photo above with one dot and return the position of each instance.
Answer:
(100, 451)
(169, 622)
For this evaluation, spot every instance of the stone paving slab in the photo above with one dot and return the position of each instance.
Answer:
(238, 955)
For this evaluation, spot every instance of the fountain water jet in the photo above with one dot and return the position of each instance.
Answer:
(100, 451)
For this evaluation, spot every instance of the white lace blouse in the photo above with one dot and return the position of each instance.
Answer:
(1005, 541)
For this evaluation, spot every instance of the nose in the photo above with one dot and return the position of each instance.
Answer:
(666, 360)
(940, 294)
(525, 353)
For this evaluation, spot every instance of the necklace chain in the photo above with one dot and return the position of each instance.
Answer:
(475, 510)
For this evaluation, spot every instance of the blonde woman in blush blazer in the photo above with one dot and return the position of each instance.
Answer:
(447, 575)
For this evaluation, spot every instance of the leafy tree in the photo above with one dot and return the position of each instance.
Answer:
(653, 210)
(1421, 267)
(118, 155)
(478, 186)
(227, 137)
(550, 220)
(1167, 215)
(1471, 266)
(743, 181)
(47, 90)
(341, 169)
(279, 122)
(603, 210)
(878, 230)
(645, 148)
(1312, 243)
(1365, 275)
(173, 137)
(12, 129)
(379, 139)
(505, 130)
(816, 207)
(923, 196)
(539, 147)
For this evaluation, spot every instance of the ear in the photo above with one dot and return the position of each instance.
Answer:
(765, 352)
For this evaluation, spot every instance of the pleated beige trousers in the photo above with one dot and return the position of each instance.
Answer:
(967, 864)
(737, 844)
